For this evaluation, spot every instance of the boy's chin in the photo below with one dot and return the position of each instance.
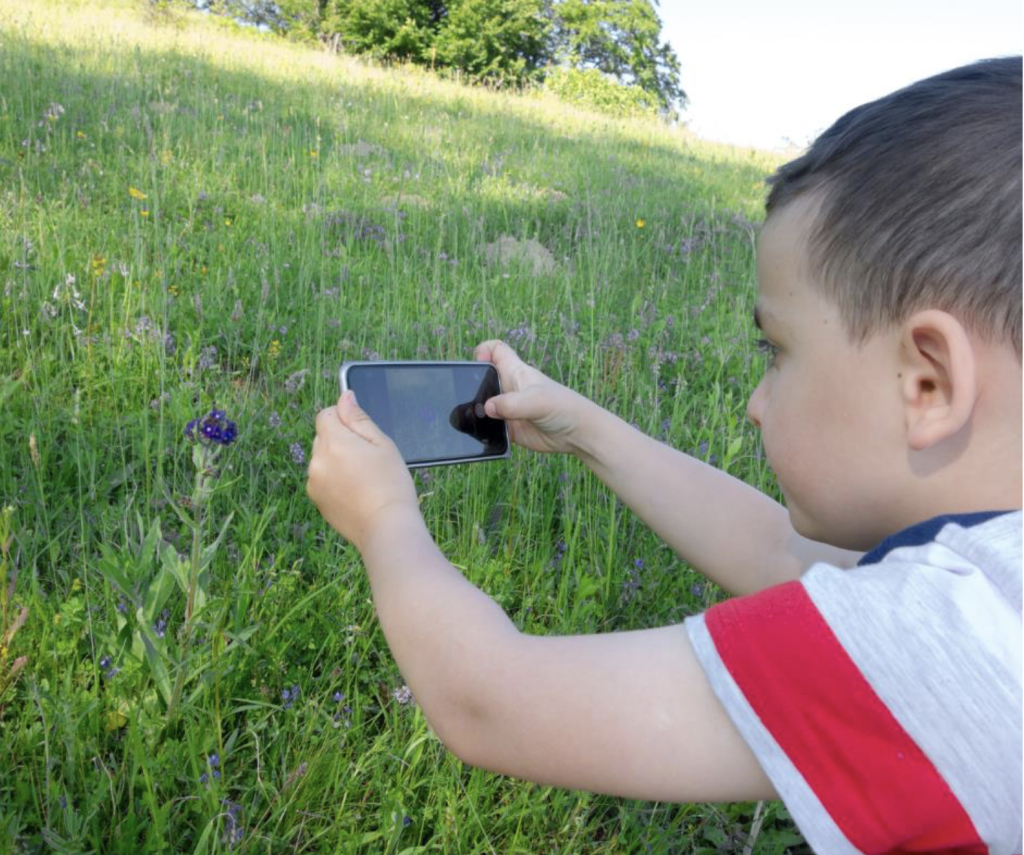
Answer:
(821, 532)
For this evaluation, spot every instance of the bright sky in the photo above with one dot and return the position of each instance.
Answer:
(764, 72)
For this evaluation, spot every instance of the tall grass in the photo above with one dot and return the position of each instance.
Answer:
(195, 216)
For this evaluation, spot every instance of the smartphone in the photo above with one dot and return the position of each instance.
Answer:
(434, 411)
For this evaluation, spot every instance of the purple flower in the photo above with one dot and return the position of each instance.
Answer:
(339, 697)
(213, 760)
(214, 428)
(290, 697)
(160, 627)
(298, 453)
(639, 564)
(105, 663)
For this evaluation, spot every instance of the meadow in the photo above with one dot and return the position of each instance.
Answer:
(195, 217)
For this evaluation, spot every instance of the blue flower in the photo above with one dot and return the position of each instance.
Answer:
(290, 697)
(213, 429)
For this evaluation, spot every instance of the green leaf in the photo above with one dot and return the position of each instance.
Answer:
(177, 568)
(210, 550)
(157, 666)
(110, 567)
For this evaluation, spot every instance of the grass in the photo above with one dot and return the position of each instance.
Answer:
(192, 215)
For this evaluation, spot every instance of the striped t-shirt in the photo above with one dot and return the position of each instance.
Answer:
(884, 701)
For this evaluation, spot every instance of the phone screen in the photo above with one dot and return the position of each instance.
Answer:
(433, 412)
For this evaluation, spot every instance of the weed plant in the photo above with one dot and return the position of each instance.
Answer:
(194, 218)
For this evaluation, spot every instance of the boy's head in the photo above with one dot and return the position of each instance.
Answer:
(889, 290)
(920, 203)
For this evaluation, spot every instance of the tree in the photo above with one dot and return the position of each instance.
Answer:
(496, 40)
(386, 29)
(620, 38)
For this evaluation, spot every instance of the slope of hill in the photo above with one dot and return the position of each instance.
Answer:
(194, 216)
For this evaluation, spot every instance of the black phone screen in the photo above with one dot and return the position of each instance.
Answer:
(433, 412)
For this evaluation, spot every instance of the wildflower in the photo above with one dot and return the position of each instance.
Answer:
(214, 763)
(215, 428)
(104, 663)
(298, 453)
(640, 223)
(233, 830)
(274, 420)
(80, 135)
(227, 221)
(144, 212)
(339, 697)
(207, 357)
(160, 627)
(639, 564)
(274, 350)
(290, 696)
(99, 265)
(136, 194)
(402, 694)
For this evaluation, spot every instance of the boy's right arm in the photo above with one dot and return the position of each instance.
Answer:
(731, 532)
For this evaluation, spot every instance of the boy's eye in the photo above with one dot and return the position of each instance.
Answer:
(768, 349)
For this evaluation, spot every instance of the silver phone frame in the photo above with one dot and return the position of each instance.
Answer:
(412, 363)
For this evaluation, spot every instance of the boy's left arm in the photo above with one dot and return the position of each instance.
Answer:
(630, 714)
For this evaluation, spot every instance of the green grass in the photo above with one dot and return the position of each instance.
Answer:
(300, 210)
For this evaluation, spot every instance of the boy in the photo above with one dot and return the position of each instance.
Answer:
(881, 700)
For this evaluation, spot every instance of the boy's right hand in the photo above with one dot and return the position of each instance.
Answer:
(542, 415)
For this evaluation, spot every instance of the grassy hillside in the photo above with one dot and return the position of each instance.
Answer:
(193, 216)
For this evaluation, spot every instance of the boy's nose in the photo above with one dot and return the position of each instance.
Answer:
(755, 405)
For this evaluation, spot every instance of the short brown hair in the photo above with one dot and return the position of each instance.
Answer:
(920, 203)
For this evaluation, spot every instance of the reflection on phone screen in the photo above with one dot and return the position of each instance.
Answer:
(432, 412)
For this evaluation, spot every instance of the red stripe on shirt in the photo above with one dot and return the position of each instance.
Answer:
(866, 771)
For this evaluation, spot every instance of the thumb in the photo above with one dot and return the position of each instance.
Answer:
(356, 420)
(506, 406)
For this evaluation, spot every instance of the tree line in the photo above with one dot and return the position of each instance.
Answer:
(500, 42)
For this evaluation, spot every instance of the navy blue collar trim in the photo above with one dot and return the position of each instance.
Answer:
(925, 532)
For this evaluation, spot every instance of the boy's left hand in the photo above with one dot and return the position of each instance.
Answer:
(356, 474)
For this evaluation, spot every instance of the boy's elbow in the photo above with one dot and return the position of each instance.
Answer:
(469, 715)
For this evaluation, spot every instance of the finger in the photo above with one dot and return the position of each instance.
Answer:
(496, 351)
(506, 406)
(356, 420)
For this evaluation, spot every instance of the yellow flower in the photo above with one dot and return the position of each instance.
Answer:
(274, 350)
(99, 265)
(313, 152)
(640, 223)
(203, 270)
(144, 212)
(136, 194)
(80, 135)
(172, 289)
(227, 222)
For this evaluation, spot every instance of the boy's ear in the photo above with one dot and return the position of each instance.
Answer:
(938, 380)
